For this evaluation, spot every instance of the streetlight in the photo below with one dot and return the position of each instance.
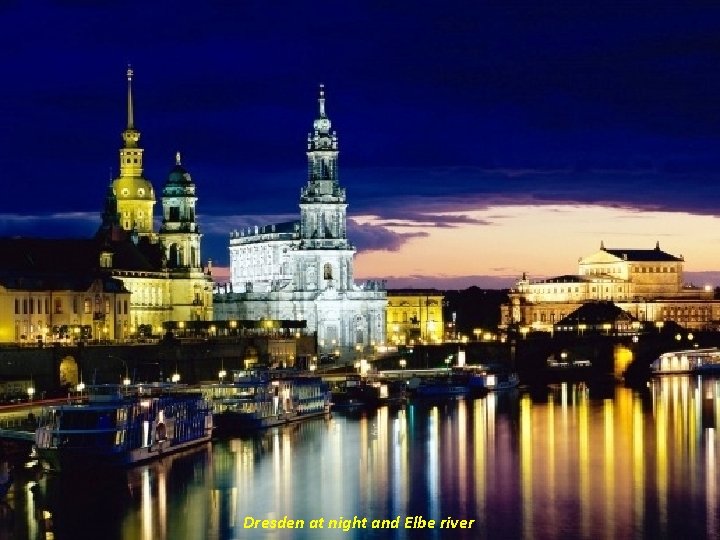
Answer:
(403, 363)
(175, 377)
(126, 379)
(31, 391)
(222, 374)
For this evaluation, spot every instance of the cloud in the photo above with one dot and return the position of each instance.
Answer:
(56, 225)
(420, 281)
(368, 237)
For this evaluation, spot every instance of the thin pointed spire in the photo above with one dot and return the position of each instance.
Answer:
(602, 244)
(130, 120)
(177, 159)
(321, 100)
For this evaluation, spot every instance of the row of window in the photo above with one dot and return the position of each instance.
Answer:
(41, 306)
(635, 270)
(410, 316)
(682, 315)
(654, 269)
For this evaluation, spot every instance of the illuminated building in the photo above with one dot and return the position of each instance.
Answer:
(59, 290)
(162, 270)
(125, 282)
(414, 316)
(646, 283)
(304, 270)
(135, 194)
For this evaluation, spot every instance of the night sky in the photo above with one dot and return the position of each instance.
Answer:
(443, 110)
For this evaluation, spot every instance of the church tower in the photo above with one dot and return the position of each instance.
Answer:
(322, 200)
(326, 255)
(179, 234)
(134, 193)
(179, 238)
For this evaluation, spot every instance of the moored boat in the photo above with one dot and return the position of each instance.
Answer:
(451, 384)
(352, 392)
(254, 400)
(687, 361)
(489, 378)
(122, 425)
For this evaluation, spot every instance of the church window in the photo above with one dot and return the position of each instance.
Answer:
(141, 192)
(174, 214)
(32, 306)
(135, 160)
(17, 306)
(125, 193)
(107, 306)
(47, 305)
(87, 306)
(125, 306)
(327, 271)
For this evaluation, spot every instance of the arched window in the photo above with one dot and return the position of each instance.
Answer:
(173, 256)
(327, 271)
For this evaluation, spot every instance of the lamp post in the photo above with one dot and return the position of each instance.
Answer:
(126, 379)
(31, 391)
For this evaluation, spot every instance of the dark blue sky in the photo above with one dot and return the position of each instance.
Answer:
(438, 105)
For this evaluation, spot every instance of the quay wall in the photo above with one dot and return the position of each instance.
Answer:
(49, 367)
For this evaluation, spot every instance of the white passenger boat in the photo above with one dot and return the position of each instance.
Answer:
(122, 425)
(687, 361)
(260, 399)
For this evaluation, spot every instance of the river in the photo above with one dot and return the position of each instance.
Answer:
(566, 461)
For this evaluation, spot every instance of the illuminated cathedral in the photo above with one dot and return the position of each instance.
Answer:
(303, 270)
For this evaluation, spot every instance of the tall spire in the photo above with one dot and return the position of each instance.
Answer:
(130, 122)
(131, 136)
(321, 100)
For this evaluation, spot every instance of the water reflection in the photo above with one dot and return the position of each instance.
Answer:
(568, 460)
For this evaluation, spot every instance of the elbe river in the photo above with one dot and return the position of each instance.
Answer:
(563, 461)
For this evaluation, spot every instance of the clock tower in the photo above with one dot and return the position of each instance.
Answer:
(134, 193)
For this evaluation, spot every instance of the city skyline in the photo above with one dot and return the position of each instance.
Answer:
(476, 143)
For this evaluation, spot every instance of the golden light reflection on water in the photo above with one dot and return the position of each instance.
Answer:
(567, 461)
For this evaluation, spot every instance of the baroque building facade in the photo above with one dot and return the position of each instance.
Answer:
(162, 269)
(125, 282)
(59, 290)
(415, 316)
(646, 283)
(303, 270)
